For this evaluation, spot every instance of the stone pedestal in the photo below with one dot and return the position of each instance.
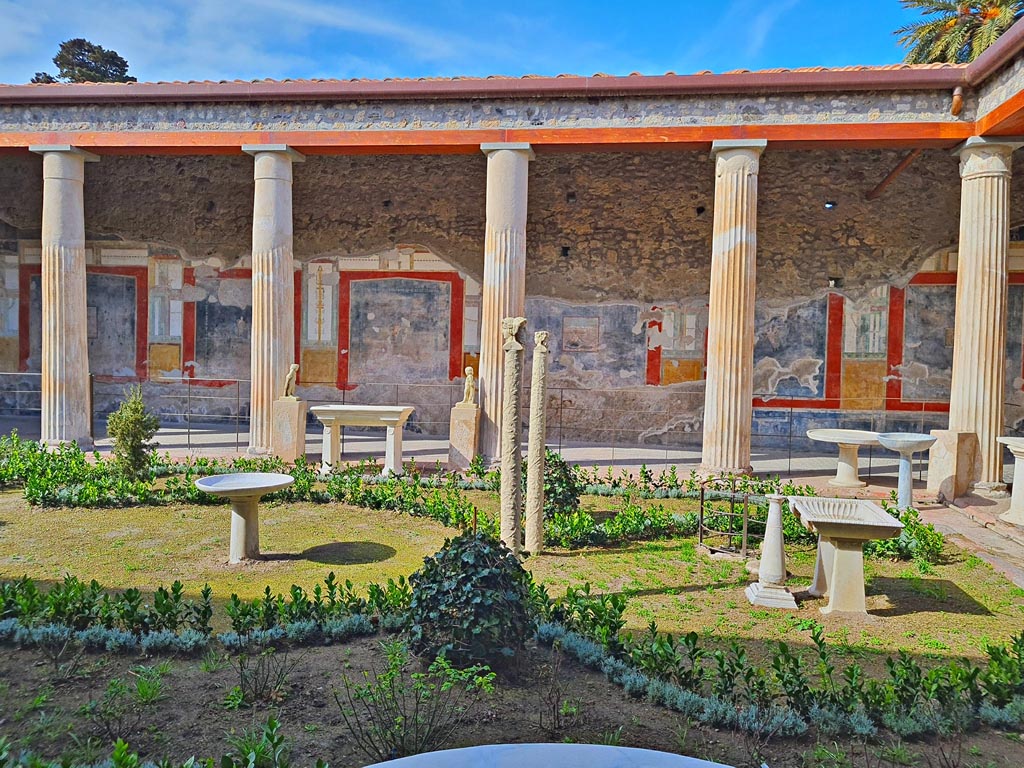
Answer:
(534, 512)
(463, 435)
(1015, 514)
(728, 392)
(770, 588)
(289, 428)
(64, 404)
(979, 337)
(273, 286)
(952, 463)
(512, 435)
(393, 449)
(504, 283)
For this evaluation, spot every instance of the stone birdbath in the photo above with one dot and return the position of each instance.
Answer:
(842, 525)
(1015, 514)
(906, 444)
(849, 442)
(244, 490)
(562, 755)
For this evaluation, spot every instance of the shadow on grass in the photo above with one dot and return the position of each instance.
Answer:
(341, 553)
(909, 595)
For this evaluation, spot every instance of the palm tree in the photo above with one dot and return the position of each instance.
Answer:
(956, 32)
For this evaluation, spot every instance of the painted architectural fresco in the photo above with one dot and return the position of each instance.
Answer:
(111, 315)
(399, 330)
(864, 358)
(927, 367)
(789, 350)
(1015, 358)
(593, 346)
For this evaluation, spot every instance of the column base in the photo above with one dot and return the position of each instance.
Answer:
(770, 595)
(704, 471)
(85, 443)
(991, 490)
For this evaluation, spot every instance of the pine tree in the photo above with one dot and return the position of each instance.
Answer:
(79, 61)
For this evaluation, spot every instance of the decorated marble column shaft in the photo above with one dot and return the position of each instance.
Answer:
(273, 286)
(534, 512)
(729, 387)
(512, 434)
(65, 402)
(504, 284)
(979, 336)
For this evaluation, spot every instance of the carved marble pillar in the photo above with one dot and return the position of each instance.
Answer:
(65, 406)
(979, 336)
(273, 286)
(512, 434)
(504, 284)
(535, 452)
(729, 387)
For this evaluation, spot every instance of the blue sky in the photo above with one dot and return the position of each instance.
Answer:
(225, 39)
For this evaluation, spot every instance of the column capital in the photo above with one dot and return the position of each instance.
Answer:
(981, 156)
(513, 146)
(45, 149)
(725, 145)
(258, 149)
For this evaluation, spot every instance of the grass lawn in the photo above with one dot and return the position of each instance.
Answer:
(954, 610)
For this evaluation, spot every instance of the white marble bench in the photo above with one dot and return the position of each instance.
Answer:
(390, 417)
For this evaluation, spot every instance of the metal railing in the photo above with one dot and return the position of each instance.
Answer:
(656, 422)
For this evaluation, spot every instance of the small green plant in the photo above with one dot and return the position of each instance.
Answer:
(395, 712)
(470, 602)
(133, 427)
(234, 698)
(263, 676)
(264, 747)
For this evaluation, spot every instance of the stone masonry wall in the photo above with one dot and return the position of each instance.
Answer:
(637, 230)
(433, 114)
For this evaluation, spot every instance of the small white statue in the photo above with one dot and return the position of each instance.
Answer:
(469, 391)
(289, 381)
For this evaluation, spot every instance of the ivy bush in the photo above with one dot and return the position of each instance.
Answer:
(470, 602)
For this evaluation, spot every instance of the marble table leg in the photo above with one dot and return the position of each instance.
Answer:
(846, 471)
(245, 530)
(1015, 514)
(822, 567)
(846, 582)
(331, 450)
(393, 451)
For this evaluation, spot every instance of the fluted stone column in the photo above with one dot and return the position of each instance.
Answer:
(273, 287)
(729, 387)
(504, 284)
(979, 336)
(511, 527)
(65, 402)
(534, 512)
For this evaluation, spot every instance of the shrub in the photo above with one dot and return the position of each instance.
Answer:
(133, 428)
(470, 601)
(562, 485)
(917, 541)
(395, 712)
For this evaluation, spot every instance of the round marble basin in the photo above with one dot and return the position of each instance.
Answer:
(244, 484)
(905, 442)
(844, 436)
(563, 755)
